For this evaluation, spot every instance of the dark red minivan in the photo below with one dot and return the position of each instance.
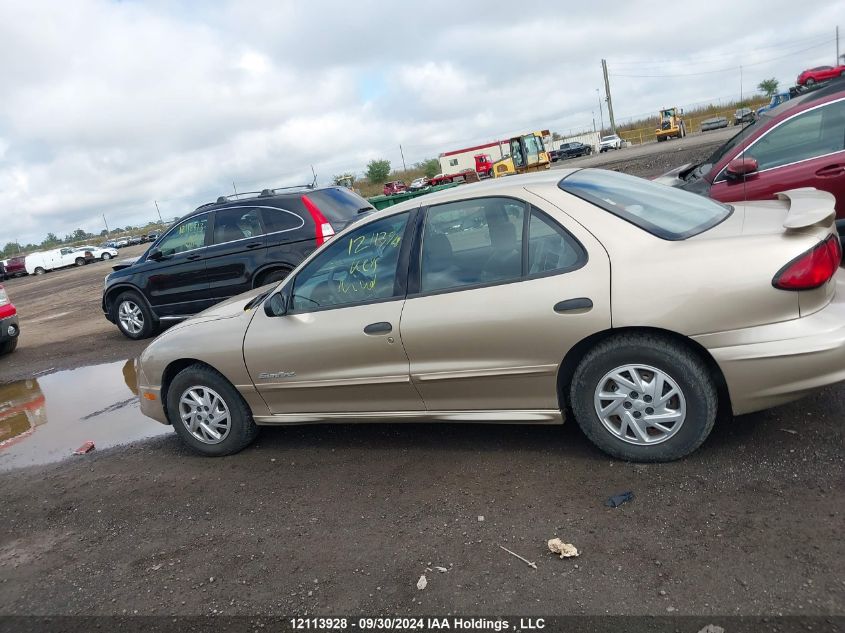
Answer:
(800, 143)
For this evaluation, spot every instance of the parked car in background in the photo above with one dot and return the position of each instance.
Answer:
(744, 115)
(98, 253)
(135, 239)
(570, 150)
(818, 74)
(440, 179)
(121, 242)
(774, 102)
(801, 143)
(418, 183)
(9, 328)
(714, 123)
(152, 237)
(42, 261)
(394, 187)
(513, 310)
(610, 142)
(3, 276)
(16, 266)
(222, 249)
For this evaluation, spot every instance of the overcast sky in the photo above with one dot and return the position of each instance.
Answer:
(107, 106)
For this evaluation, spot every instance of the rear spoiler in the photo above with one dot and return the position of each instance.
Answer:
(808, 206)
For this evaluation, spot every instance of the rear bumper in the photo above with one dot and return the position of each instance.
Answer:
(9, 328)
(774, 364)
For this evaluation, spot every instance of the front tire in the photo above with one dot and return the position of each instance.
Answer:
(134, 319)
(644, 398)
(810, 83)
(79, 261)
(208, 413)
(9, 346)
(274, 276)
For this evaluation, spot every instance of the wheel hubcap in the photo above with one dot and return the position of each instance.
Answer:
(205, 414)
(130, 316)
(640, 404)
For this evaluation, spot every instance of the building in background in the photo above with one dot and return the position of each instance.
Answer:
(460, 159)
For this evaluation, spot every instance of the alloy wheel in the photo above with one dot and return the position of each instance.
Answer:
(640, 404)
(205, 414)
(130, 316)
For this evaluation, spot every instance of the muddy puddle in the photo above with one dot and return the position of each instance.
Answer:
(44, 419)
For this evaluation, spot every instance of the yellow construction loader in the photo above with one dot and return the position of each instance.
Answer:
(527, 153)
(671, 124)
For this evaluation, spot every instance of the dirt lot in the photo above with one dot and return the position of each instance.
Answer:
(345, 519)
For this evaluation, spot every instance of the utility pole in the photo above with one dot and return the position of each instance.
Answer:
(594, 121)
(159, 212)
(107, 225)
(601, 112)
(404, 168)
(607, 94)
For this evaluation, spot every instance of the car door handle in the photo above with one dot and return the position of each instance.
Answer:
(831, 170)
(254, 245)
(570, 305)
(382, 327)
(193, 257)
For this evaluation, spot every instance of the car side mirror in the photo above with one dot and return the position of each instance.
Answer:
(155, 255)
(740, 168)
(276, 305)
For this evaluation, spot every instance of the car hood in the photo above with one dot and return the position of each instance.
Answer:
(672, 178)
(124, 263)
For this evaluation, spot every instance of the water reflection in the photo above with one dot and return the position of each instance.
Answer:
(44, 419)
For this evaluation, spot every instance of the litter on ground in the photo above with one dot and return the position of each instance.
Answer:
(566, 550)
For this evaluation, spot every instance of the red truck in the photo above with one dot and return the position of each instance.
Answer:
(483, 165)
(394, 187)
(9, 329)
(15, 266)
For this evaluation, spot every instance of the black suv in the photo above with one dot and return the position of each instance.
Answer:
(222, 249)
(571, 150)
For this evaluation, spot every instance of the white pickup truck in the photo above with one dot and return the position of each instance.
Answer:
(42, 261)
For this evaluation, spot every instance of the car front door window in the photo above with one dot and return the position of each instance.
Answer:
(188, 236)
(808, 135)
(357, 268)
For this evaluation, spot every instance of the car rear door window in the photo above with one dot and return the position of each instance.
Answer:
(471, 242)
(813, 133)
(280, 220)
(359, 268)
(550, 247)
(187, 236)
(236, 223)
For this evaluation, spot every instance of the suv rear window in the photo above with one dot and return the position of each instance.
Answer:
(338, 204)
(667, 212)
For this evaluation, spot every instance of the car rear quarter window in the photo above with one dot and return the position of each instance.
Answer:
(339, 205)
(279, 220)
(666, 212)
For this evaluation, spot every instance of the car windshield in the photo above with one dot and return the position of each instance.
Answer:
(607, 138)
(667, 212)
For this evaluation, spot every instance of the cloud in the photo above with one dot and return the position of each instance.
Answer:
(108, 106)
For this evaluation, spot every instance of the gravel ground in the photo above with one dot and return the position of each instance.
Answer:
(345, 519)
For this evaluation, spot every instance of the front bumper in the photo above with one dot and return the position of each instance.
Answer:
(773, 364)
(9, 328)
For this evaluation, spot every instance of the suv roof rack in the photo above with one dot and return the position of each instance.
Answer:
(264, 193)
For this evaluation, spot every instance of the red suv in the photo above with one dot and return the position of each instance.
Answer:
(397, 186)
(800, 143)
(818, 74)
(9, 329)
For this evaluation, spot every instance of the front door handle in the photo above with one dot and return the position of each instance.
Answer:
(382, 327)
(254, 245)
(193, 257)
(831, 170)
(570, 305)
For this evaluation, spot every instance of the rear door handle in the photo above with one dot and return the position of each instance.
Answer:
(193, 257)
(254, 245)
(831, 170)
(570, 305)
(382, 327)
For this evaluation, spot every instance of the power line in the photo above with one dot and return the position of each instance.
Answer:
(730, 68)
(781, 46)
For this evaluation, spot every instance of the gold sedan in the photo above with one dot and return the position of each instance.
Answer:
(641, 309)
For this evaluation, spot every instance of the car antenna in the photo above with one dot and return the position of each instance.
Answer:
(313, 182)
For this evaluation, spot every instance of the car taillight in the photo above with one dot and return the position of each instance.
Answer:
(325, 230)
(4, 298)
(811, 269)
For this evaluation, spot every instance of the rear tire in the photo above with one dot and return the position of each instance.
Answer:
(274, 276)
(133, 318)
(664, 368)
(201, 402)
(80, 261)
(40, 271)
(106, 257)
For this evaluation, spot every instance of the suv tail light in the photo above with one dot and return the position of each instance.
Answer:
(811, 269)
(325, 230)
